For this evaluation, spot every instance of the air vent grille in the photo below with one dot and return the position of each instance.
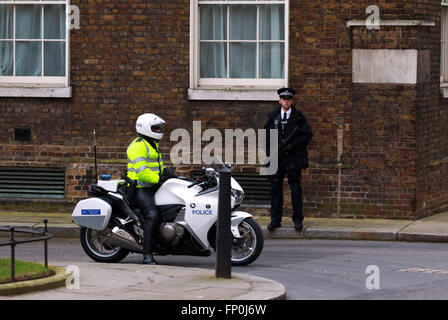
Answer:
(32, 183)
(256, 187)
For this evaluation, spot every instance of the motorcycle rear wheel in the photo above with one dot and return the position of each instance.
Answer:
(247, 249)
(94, 245)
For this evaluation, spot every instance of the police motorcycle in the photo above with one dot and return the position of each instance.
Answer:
(111, 226)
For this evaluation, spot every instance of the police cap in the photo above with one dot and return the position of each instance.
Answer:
(286, 93)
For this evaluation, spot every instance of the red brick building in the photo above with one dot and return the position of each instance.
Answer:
(373, 94)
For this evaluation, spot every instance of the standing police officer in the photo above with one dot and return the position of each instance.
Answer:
(146, 170)
(294, 135)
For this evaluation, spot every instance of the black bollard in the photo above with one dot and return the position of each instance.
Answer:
(46, 244)
(223, 233)
(13, 255)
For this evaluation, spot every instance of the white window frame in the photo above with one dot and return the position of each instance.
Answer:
(198, 85)
(444, 48)
(45, 86)
(444, 42)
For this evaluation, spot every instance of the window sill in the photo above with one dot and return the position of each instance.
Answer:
(233, 94)
(444, 89)
(36, 92)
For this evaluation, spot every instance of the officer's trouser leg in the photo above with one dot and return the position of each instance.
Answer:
(146, 202)
(296, 196)
(277, 196)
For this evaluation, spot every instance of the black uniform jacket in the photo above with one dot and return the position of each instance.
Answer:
(293, 153)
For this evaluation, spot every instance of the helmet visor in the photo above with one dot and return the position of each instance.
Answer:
(157, 128)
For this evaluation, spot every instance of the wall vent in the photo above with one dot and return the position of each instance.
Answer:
(256, 188)
(22, 134)
(32, 183)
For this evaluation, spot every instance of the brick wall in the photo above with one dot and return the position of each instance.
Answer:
(432, 186)
(131, 57)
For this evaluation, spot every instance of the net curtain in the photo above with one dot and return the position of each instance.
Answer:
(243, 26)
(28, 53)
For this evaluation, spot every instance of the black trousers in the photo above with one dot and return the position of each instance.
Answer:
(294, 177)
(145, 200)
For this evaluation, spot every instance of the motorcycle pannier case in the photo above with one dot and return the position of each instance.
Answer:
(93, 213)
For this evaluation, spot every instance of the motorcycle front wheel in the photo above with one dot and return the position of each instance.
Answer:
(96, 247)
(246, 249)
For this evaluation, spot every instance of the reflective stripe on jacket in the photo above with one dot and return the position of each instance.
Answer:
(144, 163)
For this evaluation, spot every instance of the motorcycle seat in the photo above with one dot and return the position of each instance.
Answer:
(125, 197)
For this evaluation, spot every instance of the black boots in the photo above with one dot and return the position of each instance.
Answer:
(147, 252)
(298, 226)
(149, 259)
(147, 245)
(272, 226)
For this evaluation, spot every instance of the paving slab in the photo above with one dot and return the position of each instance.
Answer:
(143, 282)
(333, 228)
(430, 229)
(372, 229)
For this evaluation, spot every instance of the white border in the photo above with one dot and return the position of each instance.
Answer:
(42, 86)
(232, 89)
(444, 49)
(54, 92)
(239, 95)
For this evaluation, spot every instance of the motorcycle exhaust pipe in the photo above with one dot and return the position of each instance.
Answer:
(123, 239)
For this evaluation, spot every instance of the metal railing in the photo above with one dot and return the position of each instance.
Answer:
(45, 236)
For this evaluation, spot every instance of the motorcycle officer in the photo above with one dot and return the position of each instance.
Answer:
(146, 170)
(294, 135)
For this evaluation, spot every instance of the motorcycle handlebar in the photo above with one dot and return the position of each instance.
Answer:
(194, 183)
(204, 180)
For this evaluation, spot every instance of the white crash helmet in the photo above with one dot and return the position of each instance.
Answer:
(149, 125)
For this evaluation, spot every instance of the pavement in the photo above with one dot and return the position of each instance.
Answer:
(429, 229)
(135, 281)
(120, 281)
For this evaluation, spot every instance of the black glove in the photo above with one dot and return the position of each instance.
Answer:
(162, 178)
(294, 173)
(130, 187)
(169, 173)
(274, 178)
(285, 151)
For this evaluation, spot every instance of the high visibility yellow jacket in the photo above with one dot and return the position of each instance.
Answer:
(145, 163)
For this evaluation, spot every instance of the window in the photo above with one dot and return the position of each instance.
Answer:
(444, 49)
(33, 43)
(444, 42)
(239, 44)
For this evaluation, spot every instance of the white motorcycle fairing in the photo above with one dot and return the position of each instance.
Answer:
(236, 219)
(175, 191)
(201, 208)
